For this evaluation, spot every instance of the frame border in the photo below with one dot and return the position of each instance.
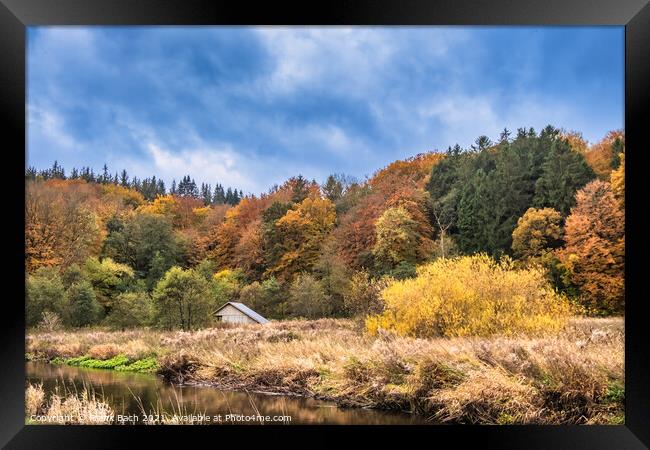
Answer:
(16, 15)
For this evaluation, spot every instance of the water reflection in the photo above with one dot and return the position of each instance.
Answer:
(122, 391)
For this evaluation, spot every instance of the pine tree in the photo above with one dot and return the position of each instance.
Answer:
(206, 194)
(229, 197)
(563, 173)
(160, 188)
(124, 179)
(30, 173)
(105, 175)
(219, 196)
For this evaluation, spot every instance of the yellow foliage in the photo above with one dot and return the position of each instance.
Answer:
(471, 295)
(128, 196)
(201, 213)
(163, 204)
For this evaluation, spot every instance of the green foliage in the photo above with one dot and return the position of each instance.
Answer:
(403, 270)
(226, 285)
(119, 362)
(396, 238)
(108, 279)
(146, 242)
(307, 298)
(44, 292)
(207, 268)
(131, 309)
(266, 298)
(182, 300)
(72, 274)
(146, 365)
(83, 308)
(564, 172)
(502, 182)
(112, 363)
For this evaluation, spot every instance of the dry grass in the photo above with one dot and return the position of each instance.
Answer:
(66, 408)
(576, 376)
(103, 351)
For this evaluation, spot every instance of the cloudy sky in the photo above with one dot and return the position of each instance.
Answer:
(251, 106)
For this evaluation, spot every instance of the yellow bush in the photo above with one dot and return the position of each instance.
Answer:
(471, 295)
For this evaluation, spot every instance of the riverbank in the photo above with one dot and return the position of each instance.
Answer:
(576, 376)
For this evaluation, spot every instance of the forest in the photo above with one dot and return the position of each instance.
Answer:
(535, 219)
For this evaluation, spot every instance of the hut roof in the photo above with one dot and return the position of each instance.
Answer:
(244, 310)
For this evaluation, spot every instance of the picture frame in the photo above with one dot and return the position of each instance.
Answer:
(634, 15)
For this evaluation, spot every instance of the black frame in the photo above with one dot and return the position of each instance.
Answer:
(15, 15)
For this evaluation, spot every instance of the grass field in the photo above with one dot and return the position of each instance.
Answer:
(574, 377)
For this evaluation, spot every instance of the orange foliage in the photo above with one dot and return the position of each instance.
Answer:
(61, 224)
(397, 185)
(576, 141)
(600, 155)
(595, 248)
(305, 227)
(415, 169)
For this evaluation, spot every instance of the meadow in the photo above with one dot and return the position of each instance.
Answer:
(575, 376)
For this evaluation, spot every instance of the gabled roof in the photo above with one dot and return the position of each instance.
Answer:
(244, 310)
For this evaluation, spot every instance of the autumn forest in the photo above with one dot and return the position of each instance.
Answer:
(114, 250)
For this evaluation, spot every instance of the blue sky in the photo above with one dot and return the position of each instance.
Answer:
(251, 106)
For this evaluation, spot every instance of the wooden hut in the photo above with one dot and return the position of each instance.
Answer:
(233, 312)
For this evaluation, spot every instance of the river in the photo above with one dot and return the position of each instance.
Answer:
(125, 392)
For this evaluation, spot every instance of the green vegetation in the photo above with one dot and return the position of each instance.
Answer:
(119, 362)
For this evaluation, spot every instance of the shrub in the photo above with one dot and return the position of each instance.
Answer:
(45, 292)
(364, 295)
(307, 298)
(471, 295)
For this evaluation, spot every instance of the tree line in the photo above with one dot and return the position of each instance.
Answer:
(305, 249)
(150, 188)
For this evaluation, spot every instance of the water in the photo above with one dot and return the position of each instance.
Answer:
(120, 390)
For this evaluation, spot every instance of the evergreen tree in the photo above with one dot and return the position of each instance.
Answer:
(219, 196)
(563, 173)
(229, 197)
(160, 188)
(206, 194)
(124, 179)
(106, 177)
(30, 173)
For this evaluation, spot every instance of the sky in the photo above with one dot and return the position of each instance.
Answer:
(249, 107)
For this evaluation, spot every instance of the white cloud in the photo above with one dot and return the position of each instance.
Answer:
(207, 164)
(45, 125)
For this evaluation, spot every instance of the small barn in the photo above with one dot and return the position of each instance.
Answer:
(233, 312)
